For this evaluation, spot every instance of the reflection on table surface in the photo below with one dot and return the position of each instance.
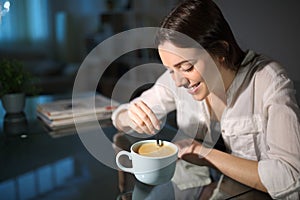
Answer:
(38, 164)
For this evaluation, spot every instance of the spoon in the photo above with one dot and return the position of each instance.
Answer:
(158, 141)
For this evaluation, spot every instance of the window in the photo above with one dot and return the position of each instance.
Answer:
(26, 22)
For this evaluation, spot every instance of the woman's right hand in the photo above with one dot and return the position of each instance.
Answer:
(140, 118)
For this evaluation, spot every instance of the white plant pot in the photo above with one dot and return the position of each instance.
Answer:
(13, 103)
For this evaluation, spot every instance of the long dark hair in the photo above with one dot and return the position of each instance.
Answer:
(202, 21)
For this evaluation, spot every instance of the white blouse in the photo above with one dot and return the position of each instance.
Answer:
(260, 122)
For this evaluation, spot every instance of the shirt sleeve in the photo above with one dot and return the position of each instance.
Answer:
(159, 98)
(280, 171)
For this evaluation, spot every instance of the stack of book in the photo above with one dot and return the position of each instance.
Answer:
(63, 114)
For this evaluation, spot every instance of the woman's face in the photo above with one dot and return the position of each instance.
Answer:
(186, 66)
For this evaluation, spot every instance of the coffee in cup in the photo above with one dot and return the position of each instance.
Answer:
(151, 164)
(154, 150)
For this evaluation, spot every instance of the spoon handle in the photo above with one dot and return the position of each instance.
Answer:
(158, 141)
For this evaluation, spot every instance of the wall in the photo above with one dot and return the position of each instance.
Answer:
(271, 27)
(73, 21)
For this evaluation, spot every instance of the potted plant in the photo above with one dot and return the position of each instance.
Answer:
(15, 83)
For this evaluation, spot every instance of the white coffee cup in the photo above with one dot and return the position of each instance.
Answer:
(150, 170)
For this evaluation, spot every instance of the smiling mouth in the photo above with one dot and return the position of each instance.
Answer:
(194, 88)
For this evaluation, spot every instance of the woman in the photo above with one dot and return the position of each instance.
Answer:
(257, 116)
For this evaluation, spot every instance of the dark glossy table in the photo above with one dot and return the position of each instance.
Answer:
(35, 164)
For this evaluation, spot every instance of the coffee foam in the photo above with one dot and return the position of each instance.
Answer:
(154, 150)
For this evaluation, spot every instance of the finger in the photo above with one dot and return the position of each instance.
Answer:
(138, 124)
(135, 127)
(183, 147)
(150, 114)
(180, 151)
(142, 118)
(154, 120)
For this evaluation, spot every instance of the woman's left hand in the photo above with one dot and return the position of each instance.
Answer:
(192, 151)
(188, 146)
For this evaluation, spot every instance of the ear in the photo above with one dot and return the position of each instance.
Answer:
(221, 59)
(225, 45)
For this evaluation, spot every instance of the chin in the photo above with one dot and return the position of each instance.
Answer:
(199, 97)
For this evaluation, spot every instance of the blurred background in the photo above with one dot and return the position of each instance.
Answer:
(52, 37)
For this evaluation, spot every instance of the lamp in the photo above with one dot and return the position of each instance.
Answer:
(4, 9)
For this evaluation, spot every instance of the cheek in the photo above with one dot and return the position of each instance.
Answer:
(199, 70)
(172, 76)
(200, 66)
(195, 75)
(205, 89)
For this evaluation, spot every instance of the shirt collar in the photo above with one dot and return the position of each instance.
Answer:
(245, 67)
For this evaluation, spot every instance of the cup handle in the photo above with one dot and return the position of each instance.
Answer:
(128, 154)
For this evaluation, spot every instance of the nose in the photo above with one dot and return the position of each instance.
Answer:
(180, 80)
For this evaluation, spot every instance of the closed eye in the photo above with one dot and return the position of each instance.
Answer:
(187, 66)
(189, 69)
